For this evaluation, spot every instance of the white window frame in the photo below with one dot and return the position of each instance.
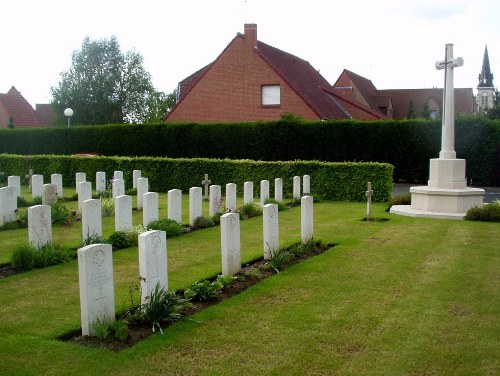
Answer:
(271, 95)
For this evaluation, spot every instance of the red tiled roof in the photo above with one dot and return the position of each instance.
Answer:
(15, 106)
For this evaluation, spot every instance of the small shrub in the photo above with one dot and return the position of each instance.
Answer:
(249, 210)
(204, 290)
(51, 254)
(171, 227)
(225, 280)
(101, 329)
(22, 202)
(92, 239)
(107, 206)
(134, 232)
(23, 257)
(119, 240)
(486, 213)
(119, 329)
(59, 213)
(279, 258)
(131, 191)
(103, 194)
(203, 222)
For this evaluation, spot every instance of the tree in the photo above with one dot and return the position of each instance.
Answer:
(103, 85)
(426, 110)
(159, 105)
(410, 113)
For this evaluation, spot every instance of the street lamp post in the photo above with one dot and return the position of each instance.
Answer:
(68, 113)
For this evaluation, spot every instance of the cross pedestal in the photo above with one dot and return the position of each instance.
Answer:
(446, 194)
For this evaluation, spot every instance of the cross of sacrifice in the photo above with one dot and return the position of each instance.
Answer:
(28, 176)
(206, 183)
(369, 194)
(448, 126)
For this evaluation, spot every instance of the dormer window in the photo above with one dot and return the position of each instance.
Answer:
(271, 95)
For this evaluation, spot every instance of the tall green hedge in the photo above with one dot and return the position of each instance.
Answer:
(334, 181)
(407, 145)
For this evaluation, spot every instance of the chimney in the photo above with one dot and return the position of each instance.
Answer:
(251, 34)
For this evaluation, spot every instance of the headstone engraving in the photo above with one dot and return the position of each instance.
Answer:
(97, 295)
(296, 188)
(142, 187)
(150, 208)
(215, 198)
(8, 205)
(306, 218)
(100, 181)
(231, 197)
(230, 243)
(91, 219)
(57, 180)
(39, 225)
(15, 182)
(306, 184)
(36, 185)
(369, 194)
(153, 268)
(123, 213)
(195, 204)
(264, 192)
(248, 192)
(278, 189)
(174, 200)
(49, 194)
(136, 174)
(271, 230)
(206, 184)
(84, 192)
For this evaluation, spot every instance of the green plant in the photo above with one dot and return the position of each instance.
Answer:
(107, 206)
(134, 232)
(204, 290)
(119, 329)
(249, 210)
(23, 257)
(162, 305)
(59, 212)
(131, 191)
(101, 329)
(92, 239)
(225, 280)
(51, 254)
(281, 204)
(278, 258)
(203, 222)
(171, 227)
(119, 240)
(486, 213)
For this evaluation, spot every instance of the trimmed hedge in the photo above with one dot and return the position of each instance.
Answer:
(334, 181)
(407, 145)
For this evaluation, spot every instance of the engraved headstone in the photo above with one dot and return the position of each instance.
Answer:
(8, 205)
(79, 177)
(39, 225)
(100, 181)
(248, 192)
(57, 180)
(118, 174)
(15, 181)
(49, 194)
(36, 185)
(195, 204)
(91, 219)
(97, 291)
(215, 198)
(142, 187)
(174, 210)
(230, 243)
(271, 229)
(123, 213)
(84, 192)
(278, 189)
(306, 184)
(150, 208)
(231, 197)
(118, 187)
(136, 174)
(264, 192)
(306, 218)
(296, 188)
(153, 268)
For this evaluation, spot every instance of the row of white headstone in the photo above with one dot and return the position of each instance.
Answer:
(95, 262)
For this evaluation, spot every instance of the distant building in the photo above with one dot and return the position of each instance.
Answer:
(17, 112)
(485, 88)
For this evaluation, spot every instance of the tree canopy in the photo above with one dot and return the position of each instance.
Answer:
(104, 85)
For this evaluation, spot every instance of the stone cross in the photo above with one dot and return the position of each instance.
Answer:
(28, 176)
(206, 183)
(369, 194)
(448, 125)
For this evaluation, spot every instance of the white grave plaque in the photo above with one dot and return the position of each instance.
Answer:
(264, 192)
(91, 219)
(8, 205)
(142, 187)
(150, 208)
(79, 177)
(36, 185)
(215, 198)
(278, 189)
(195, 204)
(100, 181)
(123, 213)
(39, 225)
(118, 175)
(15, 181)
(306, 184)
(152, 261)
(296, 188)
(57, 180)
(84, 192)
(118, 186)
(174, 211)
(271, 230)
(136, 174)
(49, 194)
(306, 218)
(231, 197)
(248, 192)
(230, 243)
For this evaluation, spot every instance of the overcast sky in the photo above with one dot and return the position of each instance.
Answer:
(395, 43)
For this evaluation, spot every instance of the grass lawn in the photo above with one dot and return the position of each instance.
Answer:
(410, 296)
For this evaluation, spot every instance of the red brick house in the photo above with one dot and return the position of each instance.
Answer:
(251, 81)
(16, 110)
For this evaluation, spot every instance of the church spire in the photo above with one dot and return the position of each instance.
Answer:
(485, 77)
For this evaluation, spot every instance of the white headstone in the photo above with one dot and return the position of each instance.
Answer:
(231, 197)
(271, 230)
(118, 175)
(230, 243)
(195, 204)
(306, 218)
(97, 290)
(136, 174)
(91, 219)
(57, 180)
(278, 189)
(142, 187)
(215, 198)
(150, 208)
(153, 268)
(100, 181)
(39, 225)
(84, 192)
(264, 191)
(306, 184)
(248, 192)
(123, 213)
(8, 205)
(36, 185)
(296, 188)
(49, 194)
(118, 186)
(174, 210)
(79, 177)
(15, 181)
